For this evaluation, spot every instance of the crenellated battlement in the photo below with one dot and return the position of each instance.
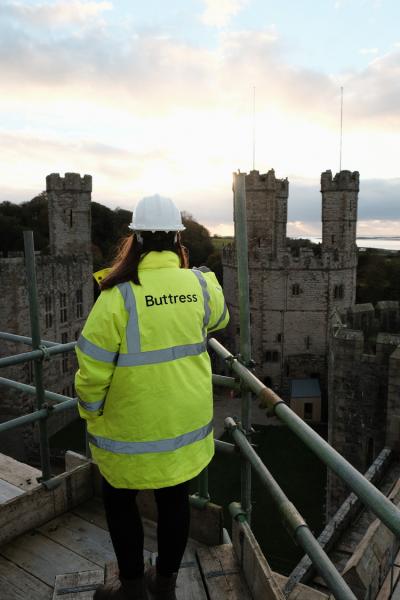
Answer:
(296, 258)
(71, 182)
(69, 199)
(345, 181)
(374, 328)
(267, 182)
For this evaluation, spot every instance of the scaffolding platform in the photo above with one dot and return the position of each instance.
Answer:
(54, 543)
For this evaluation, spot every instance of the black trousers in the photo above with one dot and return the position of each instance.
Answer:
(126, 529)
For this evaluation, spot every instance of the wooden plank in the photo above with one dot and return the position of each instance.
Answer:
(221, 573)
(93, 512)
(8, 491)
(301, 591)
(384, 592)
(43, 558)
(81, 537)
(77, 586)
(189, 585)
(14, 583)
(255, 568)
(19, 474)
(39, 505)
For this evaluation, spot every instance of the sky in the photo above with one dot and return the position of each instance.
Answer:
(158, 97)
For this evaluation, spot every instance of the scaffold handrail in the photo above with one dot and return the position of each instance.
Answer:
(380, 505)
(291, 518)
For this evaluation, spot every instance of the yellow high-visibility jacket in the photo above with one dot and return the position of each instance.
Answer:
(144, 379)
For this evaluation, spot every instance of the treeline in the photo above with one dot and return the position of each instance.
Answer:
(378, 276)
(108, 227)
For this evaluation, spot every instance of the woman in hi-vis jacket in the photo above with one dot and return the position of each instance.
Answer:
(145, 390)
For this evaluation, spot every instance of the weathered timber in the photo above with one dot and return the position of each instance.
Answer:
(384, 592)
(19, 474)
(36, 507)
(189, 583)
(367, 568)
(14, 583)
(43, 558)
(77, 586)
(221, 573)
(93, 511)
(255, 568)
(301, 591)
(80, 536)
(8, 491)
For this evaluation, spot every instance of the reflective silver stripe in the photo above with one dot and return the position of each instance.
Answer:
(152, 357)
(168, 445)
(222, 317)
(95, 351)
(132, 328)
(91, 406)
(206, 297)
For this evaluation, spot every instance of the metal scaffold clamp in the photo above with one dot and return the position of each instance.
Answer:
(45, 352)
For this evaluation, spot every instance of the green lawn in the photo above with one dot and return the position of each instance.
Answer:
(220, 242)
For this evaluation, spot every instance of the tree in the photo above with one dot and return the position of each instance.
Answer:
(197, 239)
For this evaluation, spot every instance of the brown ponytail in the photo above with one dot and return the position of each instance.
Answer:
(125, 266)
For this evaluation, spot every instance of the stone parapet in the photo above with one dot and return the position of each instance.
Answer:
(71, 182)
(345, 181)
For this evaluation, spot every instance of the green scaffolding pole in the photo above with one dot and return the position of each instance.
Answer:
(240, 218)
(36, 343)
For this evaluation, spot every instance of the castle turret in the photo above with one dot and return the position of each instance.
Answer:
(266, 198)
(339, 211)
(69, 213)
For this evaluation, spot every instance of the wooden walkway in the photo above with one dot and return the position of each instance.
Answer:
(65, 558)
(54, 544)
(78, 542)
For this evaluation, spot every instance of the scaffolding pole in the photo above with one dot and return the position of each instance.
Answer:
(36, 343)
(240, 218)
(291, 518)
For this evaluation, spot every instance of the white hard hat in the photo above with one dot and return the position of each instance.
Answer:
(156, 213)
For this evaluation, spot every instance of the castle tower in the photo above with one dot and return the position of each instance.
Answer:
(65, 295)
(69, 213)
(266, 200)
(339, 212)
(294, 288)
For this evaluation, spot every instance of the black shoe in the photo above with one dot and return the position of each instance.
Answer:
(122, 589)
(159, 586)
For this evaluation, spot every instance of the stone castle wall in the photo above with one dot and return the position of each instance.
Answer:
(364, 386)
(293, 290)
(65, 297)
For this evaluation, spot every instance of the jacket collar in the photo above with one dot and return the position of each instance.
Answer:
(159, 260)
(152, 260)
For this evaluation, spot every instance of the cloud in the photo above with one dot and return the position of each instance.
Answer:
(136, 69)
(372, 95)
(378, 199)
(58, 13)
(217, 13)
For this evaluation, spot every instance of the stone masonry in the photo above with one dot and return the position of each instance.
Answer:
(364, 388)
(293, 290)
(65, 292)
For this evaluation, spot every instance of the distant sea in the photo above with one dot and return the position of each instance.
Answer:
(385, 243)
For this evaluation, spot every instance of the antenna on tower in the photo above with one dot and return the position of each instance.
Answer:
(341, 128)
(254, 128)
